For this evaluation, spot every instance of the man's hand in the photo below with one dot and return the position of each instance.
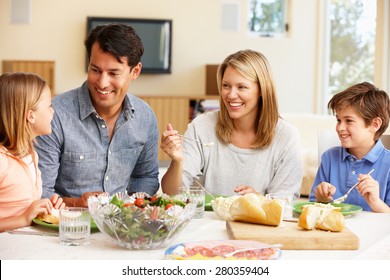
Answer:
(80, 201)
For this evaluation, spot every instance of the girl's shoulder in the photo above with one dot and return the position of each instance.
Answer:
(3, 159)
(4, 152)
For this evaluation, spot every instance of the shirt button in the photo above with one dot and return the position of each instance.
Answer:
(103, 126)
(109, 152)
(106, 178)
(353, 172)
(81, 157)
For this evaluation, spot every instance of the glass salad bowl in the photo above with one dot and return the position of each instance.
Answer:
(139, 221)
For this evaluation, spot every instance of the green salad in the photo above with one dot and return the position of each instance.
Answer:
(143, 222)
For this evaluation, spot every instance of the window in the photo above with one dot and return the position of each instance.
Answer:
(352, 43)
(267, 17)
(350, 52)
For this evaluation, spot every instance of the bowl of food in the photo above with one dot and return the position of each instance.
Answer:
(140, 221)
(221, 206)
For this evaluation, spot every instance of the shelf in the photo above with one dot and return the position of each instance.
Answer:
(45, 69)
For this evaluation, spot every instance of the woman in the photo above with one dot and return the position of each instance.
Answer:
(255, 150)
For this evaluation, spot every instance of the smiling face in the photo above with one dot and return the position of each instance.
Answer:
(353, 132)
(109, 80)
(40, 118)
(240, 95)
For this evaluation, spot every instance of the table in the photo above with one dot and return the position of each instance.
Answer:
(373, 230)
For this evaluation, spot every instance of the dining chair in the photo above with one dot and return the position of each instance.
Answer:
(328, 139)
(386, 140)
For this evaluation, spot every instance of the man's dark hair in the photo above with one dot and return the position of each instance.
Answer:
(120, 40)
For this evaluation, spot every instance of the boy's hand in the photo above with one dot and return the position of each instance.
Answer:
(324, 192)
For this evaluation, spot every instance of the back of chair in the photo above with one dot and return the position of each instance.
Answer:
(326, 140)
(329, 138)
(386, 140)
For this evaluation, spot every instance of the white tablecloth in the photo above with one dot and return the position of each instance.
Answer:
(373, 230)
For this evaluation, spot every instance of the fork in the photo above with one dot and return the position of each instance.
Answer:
(193, 139)
(344, 197)
(199, 184)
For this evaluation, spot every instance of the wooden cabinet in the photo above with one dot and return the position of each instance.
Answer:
(211, 79)
(176, 110)
(45, 69)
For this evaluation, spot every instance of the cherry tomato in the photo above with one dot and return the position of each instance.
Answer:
(154, 198)
(139, 202)
(169, 205)
(127, 204)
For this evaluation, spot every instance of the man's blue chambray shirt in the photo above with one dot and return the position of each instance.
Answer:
(78, 156)
(341, 169)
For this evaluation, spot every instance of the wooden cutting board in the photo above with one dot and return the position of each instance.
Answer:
(293, 237)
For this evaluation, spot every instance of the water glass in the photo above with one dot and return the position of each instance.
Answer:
(288, 200)
(75, 226)
(196, 194)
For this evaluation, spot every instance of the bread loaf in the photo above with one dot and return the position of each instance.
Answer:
(255, 208)
(321, 216)
(52, 218)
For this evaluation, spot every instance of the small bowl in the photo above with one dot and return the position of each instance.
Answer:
(149, 226)
(221, 206)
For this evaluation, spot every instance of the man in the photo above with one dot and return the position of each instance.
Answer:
(103, 139)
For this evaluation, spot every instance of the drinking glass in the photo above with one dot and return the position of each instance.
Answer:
(75, 226)
(196, 194)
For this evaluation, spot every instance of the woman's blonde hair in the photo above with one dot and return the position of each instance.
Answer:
(254, 67)
(19, 93)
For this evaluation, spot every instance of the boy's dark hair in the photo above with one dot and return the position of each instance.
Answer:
(120, 40)
(368, 101)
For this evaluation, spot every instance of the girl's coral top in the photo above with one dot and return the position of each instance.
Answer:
(18, 189)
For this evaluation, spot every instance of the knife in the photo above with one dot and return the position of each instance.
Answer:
(27, 232)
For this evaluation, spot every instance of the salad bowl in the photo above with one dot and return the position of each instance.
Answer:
(140, 221)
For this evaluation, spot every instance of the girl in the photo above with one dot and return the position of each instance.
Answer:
(25, 112)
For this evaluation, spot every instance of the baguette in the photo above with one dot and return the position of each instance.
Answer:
(333, 221)
(255, 208)
(321, 216)
(52, 218)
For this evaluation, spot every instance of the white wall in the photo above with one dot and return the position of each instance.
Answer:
(58, 29)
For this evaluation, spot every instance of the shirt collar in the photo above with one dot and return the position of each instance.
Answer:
(87, 108)
(372, 155)
(3, 150)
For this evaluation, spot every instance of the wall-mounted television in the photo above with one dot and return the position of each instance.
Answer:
(156, 35)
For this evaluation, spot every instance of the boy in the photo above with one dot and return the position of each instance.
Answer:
(362, 113)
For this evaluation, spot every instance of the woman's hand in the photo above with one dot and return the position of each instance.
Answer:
(171, 143)
(324, 192)
(243, 189)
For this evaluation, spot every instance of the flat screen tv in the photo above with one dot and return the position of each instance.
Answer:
(156, 35)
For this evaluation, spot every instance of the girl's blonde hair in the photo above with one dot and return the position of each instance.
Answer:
(19, 93)
(254, 67)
